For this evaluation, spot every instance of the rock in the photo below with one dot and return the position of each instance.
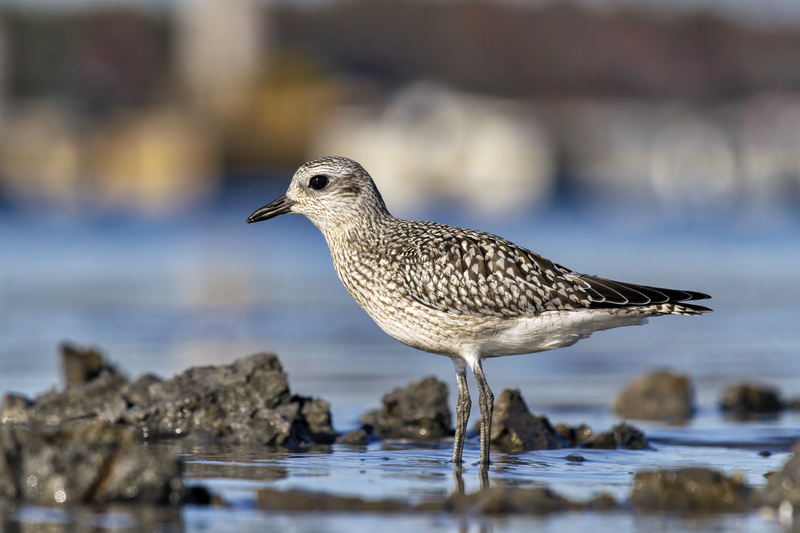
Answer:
(574, 436)
(602, 502)
(417, 412)
(515, 429)
(784, 484)
(357, 437)
(15, 408)
(793, 403)
(100, 398)
(245, 402)
(602, 441)
(138, 392)
(80, 365)
(689, 490)
(299, 500)
(630, 437)
(745, 400)
(86, 462)
(506, 500)
(662, 396)
(624, 435)
(316, 420)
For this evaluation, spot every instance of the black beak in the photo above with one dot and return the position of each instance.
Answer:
(281, 206)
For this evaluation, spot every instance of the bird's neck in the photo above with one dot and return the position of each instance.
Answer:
(358, 232)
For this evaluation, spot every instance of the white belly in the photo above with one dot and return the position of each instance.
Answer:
(556, 329)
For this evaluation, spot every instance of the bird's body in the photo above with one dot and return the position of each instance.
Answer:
(461, 293)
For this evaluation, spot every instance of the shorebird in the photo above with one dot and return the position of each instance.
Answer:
(464, 294)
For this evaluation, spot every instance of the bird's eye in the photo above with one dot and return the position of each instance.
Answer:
(318, 182)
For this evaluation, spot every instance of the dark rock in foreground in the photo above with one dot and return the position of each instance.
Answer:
(506, 500)
(745, 400)
(85, 462)
(689, 490)
(80, 365)
(299, 500)
(492, 501)
(515, 429)
(417, 412)
(784, 484)
(662, 396)
(247, 401)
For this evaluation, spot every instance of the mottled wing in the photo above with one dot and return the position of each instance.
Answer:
(474, 273)
(467, 272)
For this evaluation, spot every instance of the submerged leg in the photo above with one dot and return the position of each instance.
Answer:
(486, 403)
(462, 408)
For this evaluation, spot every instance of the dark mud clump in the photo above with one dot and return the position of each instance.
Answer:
(418, 412)
(357, 437)
(662, 396)
(744, 401)
(86, 462)
(491, 501)
(299, 500)
(79, 365)
(515, 429)
(507, 500)
(784, 485)
(574, 435)
(247, 401)
(689, 491)
(621, 436)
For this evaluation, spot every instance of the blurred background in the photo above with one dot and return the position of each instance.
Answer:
(657, 142)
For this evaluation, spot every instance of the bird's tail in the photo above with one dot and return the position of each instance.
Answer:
(681, 308)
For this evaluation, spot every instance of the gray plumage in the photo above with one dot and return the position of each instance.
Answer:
(461, 293)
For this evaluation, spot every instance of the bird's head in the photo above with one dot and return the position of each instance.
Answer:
(332, 192)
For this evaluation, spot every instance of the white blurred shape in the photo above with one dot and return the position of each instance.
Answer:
(693, 165)
(770, 148)
(220, 46)
(431, 143)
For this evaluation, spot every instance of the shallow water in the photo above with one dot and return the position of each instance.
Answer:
(204, 288)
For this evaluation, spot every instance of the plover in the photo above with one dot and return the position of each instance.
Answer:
(465, 294)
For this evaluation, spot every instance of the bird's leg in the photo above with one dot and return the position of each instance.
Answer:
(486, 403)
(462, 408)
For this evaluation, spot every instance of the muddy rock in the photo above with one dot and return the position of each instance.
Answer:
(418, 412)
(663, 396)
(14, 408)
(85, 462)
(515, 429)
(246, 402)
(621, 436)
(357, 437)
(747, 400)
(138, 392)
(507, 500)
(630, 437)
(602, 502)
(80, 365)
(602, 441)
(99, 398)
(688, 491)
(574, 436)
(315, 423)
(784, 484)
(299, 500)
